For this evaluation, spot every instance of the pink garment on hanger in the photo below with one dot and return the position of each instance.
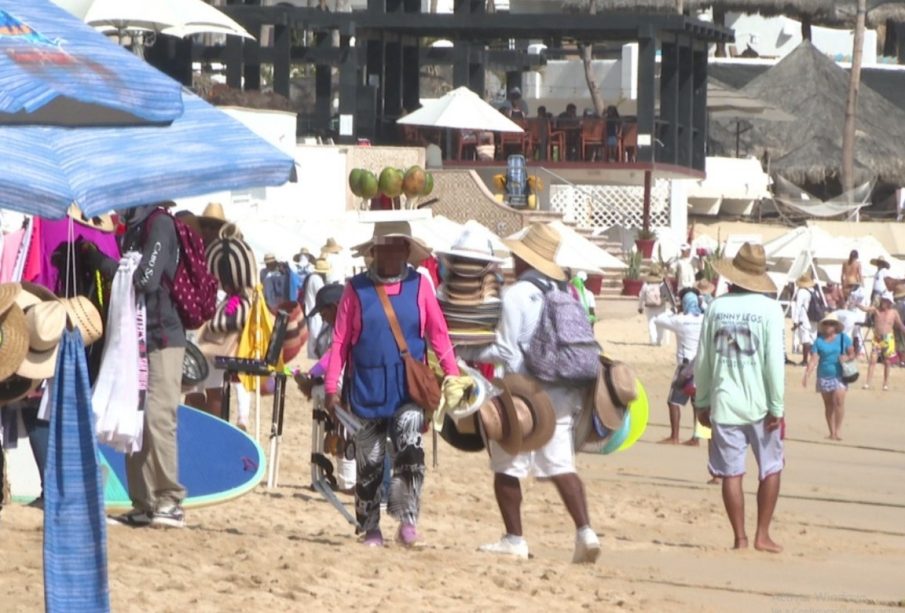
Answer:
(33, 264)
(55, 232)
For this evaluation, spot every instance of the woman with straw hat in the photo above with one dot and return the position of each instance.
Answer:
(652, 302)
(390, 295)
(832, 348)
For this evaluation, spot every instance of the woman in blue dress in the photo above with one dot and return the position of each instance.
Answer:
(830, 350)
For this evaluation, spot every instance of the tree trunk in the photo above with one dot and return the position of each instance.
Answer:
(806, 28)
(848, 133)
(587, 59)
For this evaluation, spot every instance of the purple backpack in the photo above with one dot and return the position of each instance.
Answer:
(193, 288)
(563, 348)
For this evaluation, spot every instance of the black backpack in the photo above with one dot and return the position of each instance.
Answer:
(816, 307)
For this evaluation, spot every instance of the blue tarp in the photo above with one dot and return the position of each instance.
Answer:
(75, 530)
(54, 68)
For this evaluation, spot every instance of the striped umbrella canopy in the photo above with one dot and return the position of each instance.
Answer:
(46, 169)
(55, 70)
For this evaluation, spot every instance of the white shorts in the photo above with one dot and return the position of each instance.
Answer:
(729, 446)
(805, 333)
(557, 457)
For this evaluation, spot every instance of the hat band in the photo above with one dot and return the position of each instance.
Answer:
(751, 267)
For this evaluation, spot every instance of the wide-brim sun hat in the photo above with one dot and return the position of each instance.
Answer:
(213, 216)
(879, 262)
(9, 293)
(322, 267)
(805, 282)
(84, 316)
(464, 434)
(15, 388)
(387, 230)
(704, 286)
(101, 223)
(46, 322)
(331, 246)
(13, 340)
(614, 390)
(748, 269)
(532, 407)
(832, 320)
(538, 249)
(474, 244)
(499, 422)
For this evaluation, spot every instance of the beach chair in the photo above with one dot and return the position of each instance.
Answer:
(323, 479)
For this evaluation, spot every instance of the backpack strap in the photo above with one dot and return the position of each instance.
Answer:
(561, 286)
(391, 316)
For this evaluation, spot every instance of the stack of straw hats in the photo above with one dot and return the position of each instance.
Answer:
(32, 321)
(470, 295)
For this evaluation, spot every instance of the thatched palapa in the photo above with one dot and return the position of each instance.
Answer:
(810, 86)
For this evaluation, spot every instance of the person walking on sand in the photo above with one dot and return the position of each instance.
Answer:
(802, 326)
(831, 349)
(687, 327)
(652, 302)
(522, 307)
(886, 321)
(389, 294)
(740, 383)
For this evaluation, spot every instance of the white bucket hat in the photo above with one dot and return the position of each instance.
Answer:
(474, 243)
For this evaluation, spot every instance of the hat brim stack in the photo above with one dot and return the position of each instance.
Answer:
(499, 422)
(532, 408)
(470, 298)
(13, 335)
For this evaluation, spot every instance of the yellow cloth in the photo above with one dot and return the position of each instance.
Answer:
(255, 336)
(887, 346)
(455, 392)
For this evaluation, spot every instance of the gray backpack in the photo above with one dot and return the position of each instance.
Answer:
(563, 348)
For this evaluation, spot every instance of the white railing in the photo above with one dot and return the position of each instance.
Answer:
(595, 207)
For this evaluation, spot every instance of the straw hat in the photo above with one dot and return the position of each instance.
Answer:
(9, 293)
(879, 262)
(532, 407)
(805, 281)
(212, 216)
(15, 388)
(500, 423)
(31, 294)
(84, 316)
(832, 320)
(269, 257)
(653, 277)
(899, 292)
(748, 269)
(46, 322)
(538, 249)
(385, 230)
(705, 286)
(13, 340)
(474, 245)
(331, 246)
(322, 266)
(613, 392)
(102, 223)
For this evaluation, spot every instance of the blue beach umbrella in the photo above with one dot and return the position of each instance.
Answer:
(55, 70)
(45, 169)
(75, 530)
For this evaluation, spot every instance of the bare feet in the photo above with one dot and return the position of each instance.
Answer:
(714, 481)
(765, 543)
(741, 543)
(692, 442)
(669, 441)
(837, 438)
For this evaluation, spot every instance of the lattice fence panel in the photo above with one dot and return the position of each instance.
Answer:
(603, 206)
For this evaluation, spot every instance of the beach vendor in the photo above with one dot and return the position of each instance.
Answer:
(740, 382)
(653, 301)
(522, 306)
(687, 327)
(153, 472)
(375, 379)
(802, 326)
(886, 321)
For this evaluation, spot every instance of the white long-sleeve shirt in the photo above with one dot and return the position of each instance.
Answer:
(688, 332)
(800, 306)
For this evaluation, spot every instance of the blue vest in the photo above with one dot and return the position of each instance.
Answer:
(378, 372)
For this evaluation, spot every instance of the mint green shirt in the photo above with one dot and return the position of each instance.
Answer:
(740, 368)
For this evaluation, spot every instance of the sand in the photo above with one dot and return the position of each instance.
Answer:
(664, 533)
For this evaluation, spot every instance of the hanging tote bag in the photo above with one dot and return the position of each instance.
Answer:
(850, 372)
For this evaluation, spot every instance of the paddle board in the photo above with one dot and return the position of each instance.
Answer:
(217, 462)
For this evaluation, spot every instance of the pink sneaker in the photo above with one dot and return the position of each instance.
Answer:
(373, 538)
(407, 535)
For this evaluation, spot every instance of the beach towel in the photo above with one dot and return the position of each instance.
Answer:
(75, 531)
(120, 389)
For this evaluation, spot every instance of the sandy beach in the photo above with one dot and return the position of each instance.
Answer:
(665, 536)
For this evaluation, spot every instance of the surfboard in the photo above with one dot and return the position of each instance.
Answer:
(217, 462)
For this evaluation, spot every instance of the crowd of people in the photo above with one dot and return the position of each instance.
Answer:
(367, 333)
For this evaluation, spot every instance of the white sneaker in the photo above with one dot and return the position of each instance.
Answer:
(587, 547)
(507, 547)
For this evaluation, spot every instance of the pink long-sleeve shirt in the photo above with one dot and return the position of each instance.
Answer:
(347, 330)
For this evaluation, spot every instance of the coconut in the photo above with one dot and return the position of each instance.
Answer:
(368, 185)
(390, 182)
(428, 184)
(413, 182)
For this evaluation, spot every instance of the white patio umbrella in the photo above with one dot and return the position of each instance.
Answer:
(461, 109)
(173, 17)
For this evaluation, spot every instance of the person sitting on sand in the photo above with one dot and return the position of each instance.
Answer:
(687, 327)
(831, 349)
(740, 383)
(886, 320)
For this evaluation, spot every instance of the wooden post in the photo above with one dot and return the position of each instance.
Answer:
(645, 212)
(851, 106)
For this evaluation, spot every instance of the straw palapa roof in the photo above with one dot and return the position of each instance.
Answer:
(810, 86)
